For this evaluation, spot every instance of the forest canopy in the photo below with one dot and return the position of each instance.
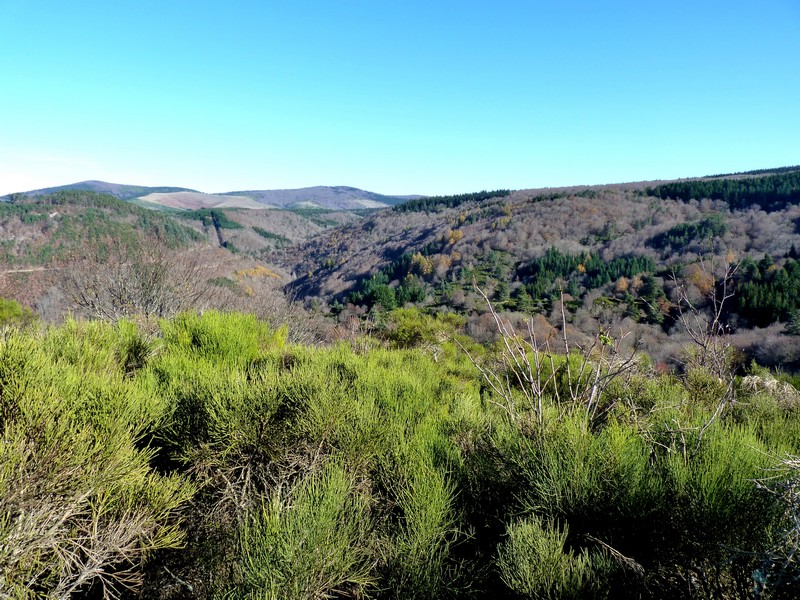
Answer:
(773, 192)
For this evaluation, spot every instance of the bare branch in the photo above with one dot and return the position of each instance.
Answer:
(530, 369)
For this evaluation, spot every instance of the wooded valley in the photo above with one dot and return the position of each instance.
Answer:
(570, 393)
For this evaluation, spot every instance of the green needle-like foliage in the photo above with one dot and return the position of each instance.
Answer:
(205, 457)
(311, 542)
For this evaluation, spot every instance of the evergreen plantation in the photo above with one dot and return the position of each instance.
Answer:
(206, 456)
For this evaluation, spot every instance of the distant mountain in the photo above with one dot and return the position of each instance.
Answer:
(327, 197)
(118, 190)
(332, 197)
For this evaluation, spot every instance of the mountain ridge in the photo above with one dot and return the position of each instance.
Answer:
(324, 197)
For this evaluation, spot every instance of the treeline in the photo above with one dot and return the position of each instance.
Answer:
(315, 215)
(758, 172)
(592, 271)
(770, 193)
(204, 456)
(281, 241)
(543, 280)
(71, 197)
(210, 217)
(432, 203)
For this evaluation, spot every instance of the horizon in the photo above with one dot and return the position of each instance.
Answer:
(242, 190)
(427, 99)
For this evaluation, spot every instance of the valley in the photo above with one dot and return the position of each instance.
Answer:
(627, 258)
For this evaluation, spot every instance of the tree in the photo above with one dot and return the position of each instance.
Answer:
(14, 313)
(145, 279)
(385, 296)
(706, 326)
(793, 326)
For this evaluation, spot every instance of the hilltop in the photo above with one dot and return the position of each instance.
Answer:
(331, 197)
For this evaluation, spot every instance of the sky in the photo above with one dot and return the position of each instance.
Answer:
(412, 97)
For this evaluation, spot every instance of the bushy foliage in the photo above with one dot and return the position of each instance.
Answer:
(79, 504)
(13, 313)
(535, 562)
(312, 542)
(352, 472)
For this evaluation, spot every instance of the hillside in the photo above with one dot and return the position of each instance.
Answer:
(39, 228)
(184, 200)
(337, 197)
(629, 255)
(95, 255)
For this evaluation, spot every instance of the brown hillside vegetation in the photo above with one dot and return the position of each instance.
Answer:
(522, 247)
(629, 257)
(612, 220)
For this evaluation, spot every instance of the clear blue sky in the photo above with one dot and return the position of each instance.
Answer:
(425, 97)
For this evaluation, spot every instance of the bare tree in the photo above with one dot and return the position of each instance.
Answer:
(706, 327)
(147, 279)
(713, 348)
(529, 367)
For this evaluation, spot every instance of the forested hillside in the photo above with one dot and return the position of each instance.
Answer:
(97, 256)
(634, 256)
(630, 257)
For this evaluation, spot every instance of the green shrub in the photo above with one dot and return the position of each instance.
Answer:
(13, 313)
(325, 472)
(312, 543)
(79, 502)
(715, 494)
(234, 337)
(419, 556)
(535, 562)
